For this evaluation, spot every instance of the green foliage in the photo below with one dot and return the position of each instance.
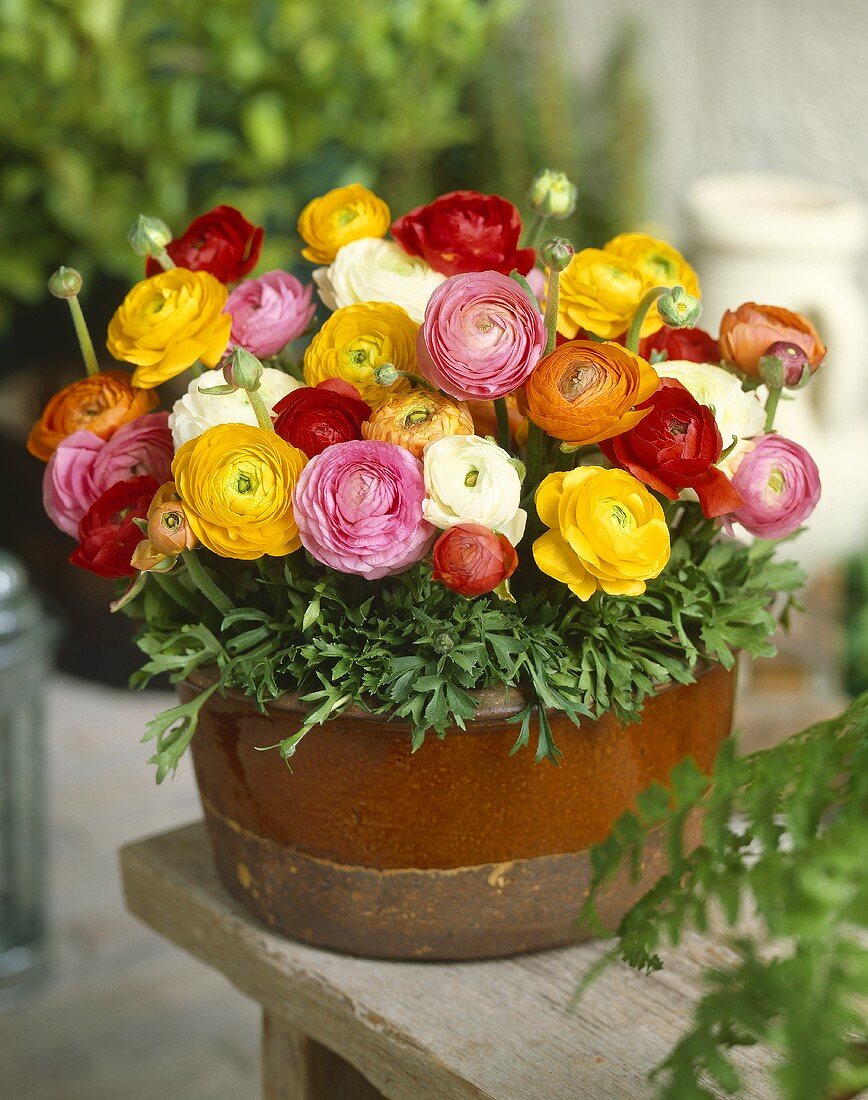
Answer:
(784, 837)
(112, 107)
(416, 650)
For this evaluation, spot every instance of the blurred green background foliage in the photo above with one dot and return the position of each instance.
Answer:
(110, 107)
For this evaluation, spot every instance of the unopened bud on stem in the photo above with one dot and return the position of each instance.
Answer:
(552, 194)
(678, 308)
(556, 253)
(785, 365)
(65, 283)
(243, 370)
(149, 236)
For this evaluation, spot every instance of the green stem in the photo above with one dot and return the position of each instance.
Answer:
(772, 406)
(552, 296)
(535, 453)
(263, 417)
(533, 230)
(201, 578)
(504, 435)
(176, 591)
(84, 340)
(164, 259)
(196, 369)
(634, 332)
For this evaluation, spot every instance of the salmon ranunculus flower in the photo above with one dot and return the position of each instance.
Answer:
(658, 262)
(169, 321)
(607, 532)
(586, 391)
(414, 419)
(342, 215)
(747, 333)
(100, 403)
(236, 482)
(599, 292)
(357, 339)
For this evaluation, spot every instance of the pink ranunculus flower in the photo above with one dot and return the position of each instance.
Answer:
(481, 338)
(269, 312)
(68, 488)
(780, 485)
(83, 466)
(358, 506)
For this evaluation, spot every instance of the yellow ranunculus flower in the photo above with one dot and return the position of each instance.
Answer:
(607, 532)
(599, 292)
(358, 338)
(342, 215)
(169, 321)
(659, 263)
(236, 483)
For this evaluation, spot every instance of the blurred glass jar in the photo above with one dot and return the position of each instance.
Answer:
(27, 642)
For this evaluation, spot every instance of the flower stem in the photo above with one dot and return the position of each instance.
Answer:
(552, 296)
(533, 230)
(504, 435)
(201, 578)
(634, 332)
(84, 340)
(196, 369)
(164, 259)
(535, 454)
(176, 591)
(263, 417)
(772, 406)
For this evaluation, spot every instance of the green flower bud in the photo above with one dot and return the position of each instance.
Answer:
(242, 369)
(386, 374)
(65, 283)
(148, 236)
(552, 195)
(678, 308)
(556, 253)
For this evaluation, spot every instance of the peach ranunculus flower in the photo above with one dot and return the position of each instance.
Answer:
(607, 532)
(168, 322)
(168, 535)
(414, 419)
(100, 403)
(586, 391)
(341, 215)
(748, 333)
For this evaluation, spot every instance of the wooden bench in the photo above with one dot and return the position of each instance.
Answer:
(341, 1028)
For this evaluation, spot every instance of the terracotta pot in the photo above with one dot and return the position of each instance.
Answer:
(457, 851)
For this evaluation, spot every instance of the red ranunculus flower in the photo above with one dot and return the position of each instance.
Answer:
(107, 535)
(465, 231)
(472, 559)
(675, 447)
(694, 345)
(222, 242)
(314, 417)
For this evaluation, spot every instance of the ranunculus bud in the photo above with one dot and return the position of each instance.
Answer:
(678, 308)
(556, 253)
(472, 559)
(65, 283)
(168, 530)
(785, 365)
(552, 194)
(148, 236)
(386, 374)
(243, 370)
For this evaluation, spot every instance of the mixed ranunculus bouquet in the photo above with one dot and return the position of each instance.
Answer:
(490, 461)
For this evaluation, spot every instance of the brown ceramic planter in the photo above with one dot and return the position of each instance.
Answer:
(457, 851)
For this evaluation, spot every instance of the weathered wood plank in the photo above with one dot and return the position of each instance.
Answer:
(294, 1067)
(495, 1029)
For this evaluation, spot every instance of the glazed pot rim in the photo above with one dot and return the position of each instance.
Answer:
(496, 704)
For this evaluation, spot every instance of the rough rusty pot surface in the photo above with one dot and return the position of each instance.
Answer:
(456, 851)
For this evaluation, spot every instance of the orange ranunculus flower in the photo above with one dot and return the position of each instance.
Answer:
(99, 403)
(586, 391)
(747, 334)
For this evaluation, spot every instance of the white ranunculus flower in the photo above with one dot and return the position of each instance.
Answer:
(195, 412)
(469, 479)
(739, 414)
(372, 270)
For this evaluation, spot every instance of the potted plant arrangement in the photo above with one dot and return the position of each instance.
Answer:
(447, 579)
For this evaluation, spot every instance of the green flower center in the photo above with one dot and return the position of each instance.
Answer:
(471, 477)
